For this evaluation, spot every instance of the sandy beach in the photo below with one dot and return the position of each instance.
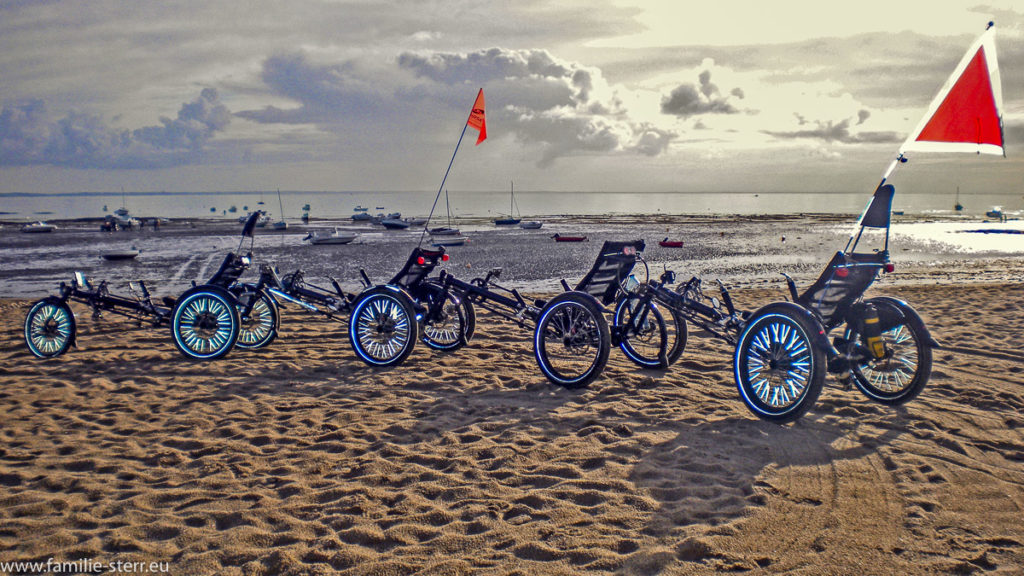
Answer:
(299, 459)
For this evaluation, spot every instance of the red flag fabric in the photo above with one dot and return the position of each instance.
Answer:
(966, 114)
(477, 117)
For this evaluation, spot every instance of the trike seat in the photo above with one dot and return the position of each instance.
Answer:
(419, 265)
(614, 263)
(846, 277)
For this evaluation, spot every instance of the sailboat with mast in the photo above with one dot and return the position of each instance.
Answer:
(511, 220)
(280, 224)
(445, 230)
(958, 206)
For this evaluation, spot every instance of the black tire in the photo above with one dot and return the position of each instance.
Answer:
(49, 328)
(572, 340)
(383, 327)
(675, 324)
(778, 368)
(902, 374)
(456, 324)
(205, 323)
(648, 345)
(259, 328)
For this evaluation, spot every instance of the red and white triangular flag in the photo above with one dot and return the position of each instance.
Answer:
(966, 115)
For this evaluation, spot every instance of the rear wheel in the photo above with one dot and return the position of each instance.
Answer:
(572, 341)
(779, 371)
(449, 327)
(383, 328)
(205, 323)
(901, 375)
(643, 336)
(49, 328)
(259, 327)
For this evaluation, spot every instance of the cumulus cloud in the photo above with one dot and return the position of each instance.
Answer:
(28, 136)
(702, 98)
(557, 108)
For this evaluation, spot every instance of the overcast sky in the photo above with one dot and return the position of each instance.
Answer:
(587, 95)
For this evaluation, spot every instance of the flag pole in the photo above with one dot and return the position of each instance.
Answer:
(440, 188)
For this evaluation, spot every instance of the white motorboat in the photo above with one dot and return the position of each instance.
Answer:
(531, 225)
(38, 227)
(335, 236)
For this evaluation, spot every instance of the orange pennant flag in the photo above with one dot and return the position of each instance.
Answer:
(477, 118)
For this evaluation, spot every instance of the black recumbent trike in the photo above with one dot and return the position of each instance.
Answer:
(206, 321)
(385, 320)
(783, 351)
(571, 337)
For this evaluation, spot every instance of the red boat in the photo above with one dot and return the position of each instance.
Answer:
(560, 238)
(666, 243)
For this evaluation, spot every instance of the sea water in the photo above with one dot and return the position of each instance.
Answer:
(474, 204)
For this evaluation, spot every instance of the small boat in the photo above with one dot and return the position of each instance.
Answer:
(416, 221)
(361, 217)
(666, 243)
(38, 228)
(511, 220)
(380, 208)
(451, 241)
(358, 209)
(233, 209)
(336, 236)
(305, 207)
(958, 206)
(127, 254)
(280, 225)
(559, 238)
(380, 217)
(395, 223)
(531, 225)
(995, 212)
(445, 230)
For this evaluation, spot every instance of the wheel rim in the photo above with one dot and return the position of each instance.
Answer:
(49, 329)
(382, 328)
(894, 373)
(204, 324)
(779, 364)
(446, 329)
(571, 342)
(256, 327)
(646, 341)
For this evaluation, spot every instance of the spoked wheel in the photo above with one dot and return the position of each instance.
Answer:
(643, 336)
(901, 375)
(778, 368)
(453, 324)
(205, 323)
(49, 328)
(383, 327)
(572, 341)
(259, 327)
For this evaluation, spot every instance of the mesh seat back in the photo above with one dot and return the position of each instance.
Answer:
(229, 272)
(614, 263)
(844, 280)
(413, 272)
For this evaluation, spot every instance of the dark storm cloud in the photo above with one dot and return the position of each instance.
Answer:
(831, 131)
(704, 98)
(28, 136)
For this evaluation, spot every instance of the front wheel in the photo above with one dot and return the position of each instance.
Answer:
(900, 376)
(205, 323)
(383, 327)
(572, 341)
(643, 336)
(259, 326)
(779, 370)
(49, 328)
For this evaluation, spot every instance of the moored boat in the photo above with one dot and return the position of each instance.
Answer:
(335, 236)
(559, 238)
(531, 225)
(666, 243)
(38, 227)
